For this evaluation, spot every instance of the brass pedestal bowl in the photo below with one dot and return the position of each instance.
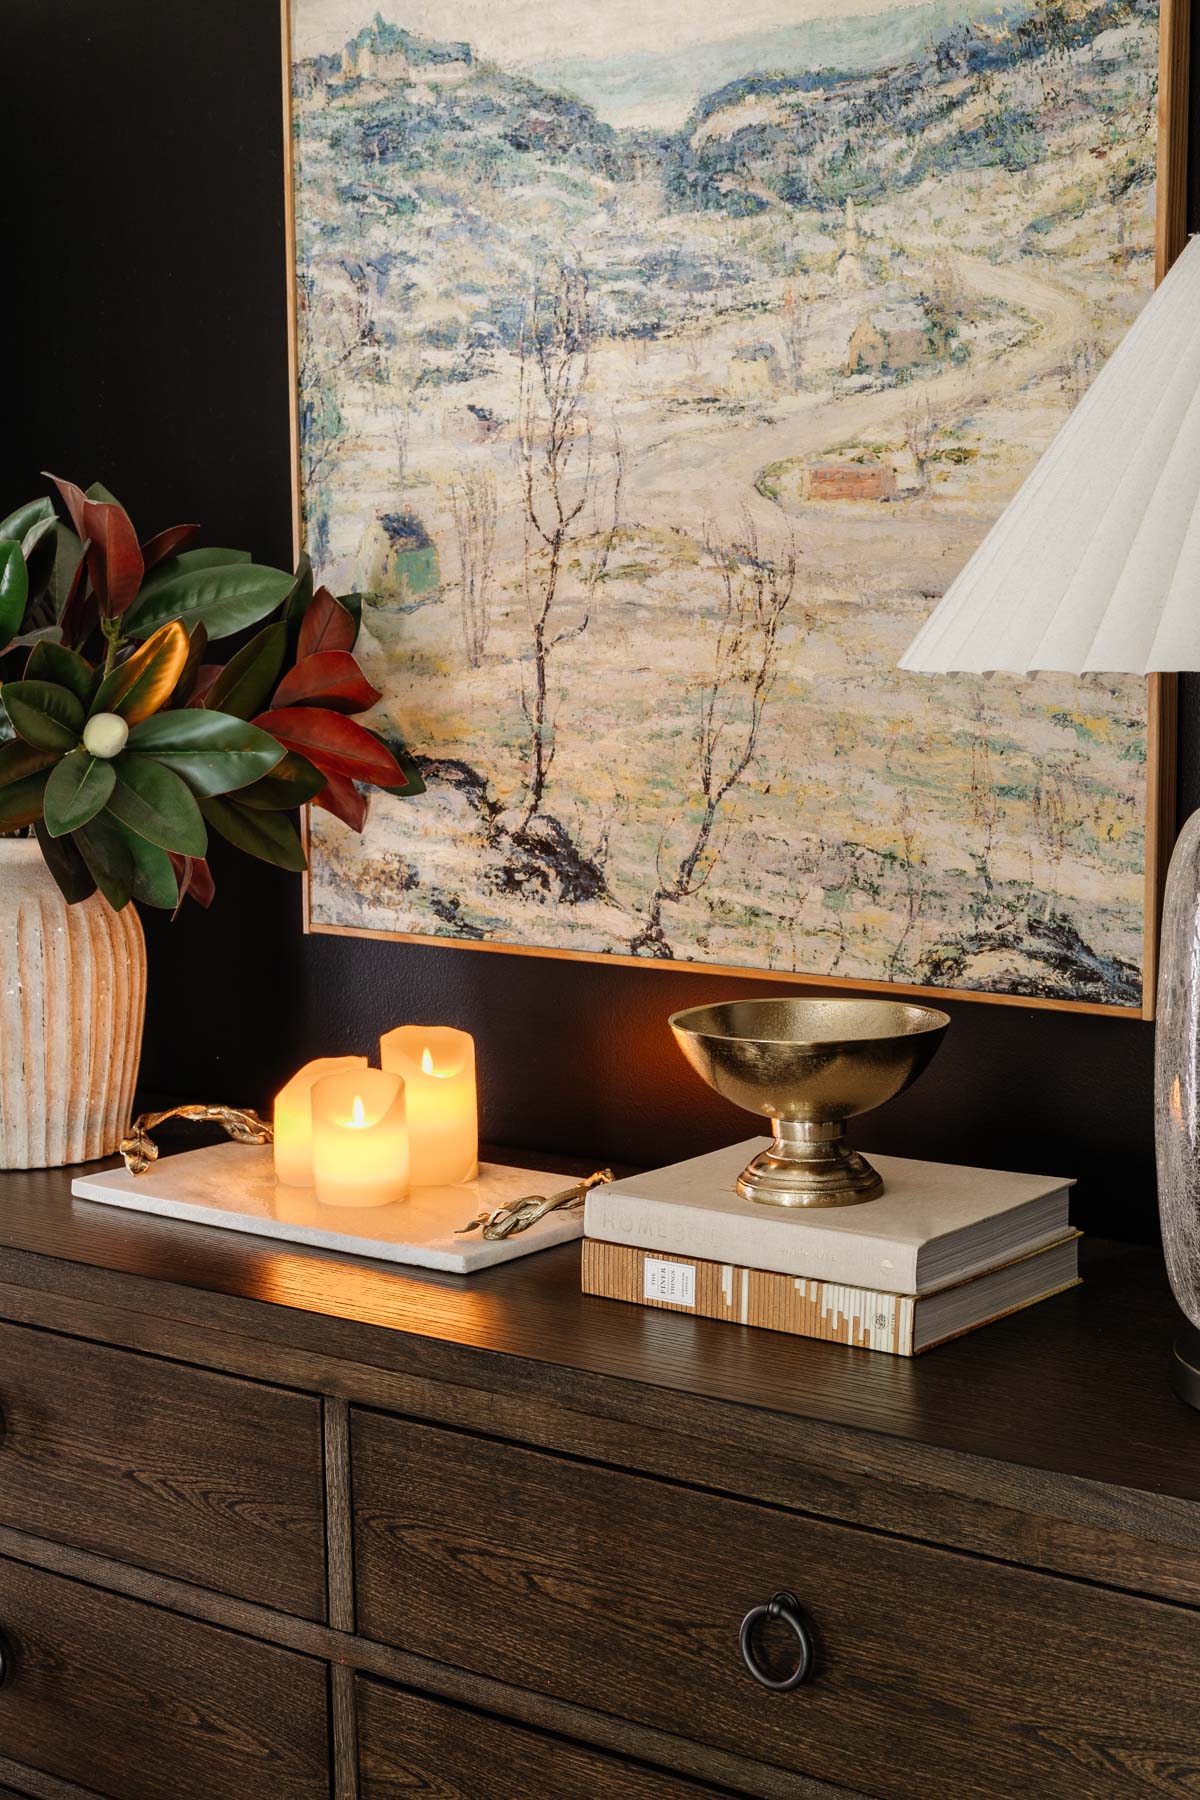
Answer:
(808, 1066)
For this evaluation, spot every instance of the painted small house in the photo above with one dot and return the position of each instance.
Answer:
(893, 338)
(868, 480)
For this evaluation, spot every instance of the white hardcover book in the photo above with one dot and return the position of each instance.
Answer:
(935, 1223)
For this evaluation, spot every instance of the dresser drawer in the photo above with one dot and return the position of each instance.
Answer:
(199, 1476)
(138, 1704)
(409, 1744)
(936, 1674)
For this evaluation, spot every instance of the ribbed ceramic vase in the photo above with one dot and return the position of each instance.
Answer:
(72, 1005)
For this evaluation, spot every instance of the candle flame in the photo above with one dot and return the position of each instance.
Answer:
(358, 1112)
(426, 1062)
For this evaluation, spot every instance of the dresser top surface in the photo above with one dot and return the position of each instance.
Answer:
(1078, 1385)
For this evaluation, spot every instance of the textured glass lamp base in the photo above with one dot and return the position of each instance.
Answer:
(1177, 1098)
(1185, 1365)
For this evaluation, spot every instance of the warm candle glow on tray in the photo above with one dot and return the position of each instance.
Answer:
(293, 1118)
(360, 1138)
(438, 1067)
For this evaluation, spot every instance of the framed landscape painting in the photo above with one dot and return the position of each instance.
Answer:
(657, 366)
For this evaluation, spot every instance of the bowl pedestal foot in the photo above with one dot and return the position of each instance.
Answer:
(809, 1165)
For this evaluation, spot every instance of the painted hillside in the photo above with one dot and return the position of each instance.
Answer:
(777, 366)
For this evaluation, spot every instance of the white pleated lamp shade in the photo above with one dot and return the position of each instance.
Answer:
(1095, 565)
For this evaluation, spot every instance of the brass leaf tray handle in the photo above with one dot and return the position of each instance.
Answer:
(139, 1151)
(518, 1215)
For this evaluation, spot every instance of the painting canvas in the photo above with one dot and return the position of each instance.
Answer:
(659, 364)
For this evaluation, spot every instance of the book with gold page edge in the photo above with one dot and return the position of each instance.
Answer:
(801, 1306)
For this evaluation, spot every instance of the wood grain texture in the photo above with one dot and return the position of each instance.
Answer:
(339, 1548)
(939, 1675)
(411, 1744)
(136, 1703)
(36, 1786)
(347, 1654)
(199, 1476)
(1051, 1439)
(1075, 1386)
(343, 1732)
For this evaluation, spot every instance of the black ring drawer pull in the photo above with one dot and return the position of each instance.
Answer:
(783, 1606)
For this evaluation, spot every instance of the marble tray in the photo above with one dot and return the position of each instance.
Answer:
(233, 1186)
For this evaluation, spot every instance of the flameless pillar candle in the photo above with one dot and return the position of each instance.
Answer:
(293, 1118)
(360, 1142)
(438, 1066)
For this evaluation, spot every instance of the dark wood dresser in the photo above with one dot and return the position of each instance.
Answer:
(276, 1525)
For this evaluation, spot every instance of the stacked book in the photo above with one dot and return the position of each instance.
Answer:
(943, 1250)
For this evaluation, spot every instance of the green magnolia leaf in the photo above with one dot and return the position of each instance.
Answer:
(38, 547)
(267, 835)
(62, 858)
(227, 598)
(14, 588)
(154, 882)
(68, 554)
(77, 788)
(106, 854)
(66, 668)
(153, 802)
(18, 759)
(248, 679)
(102, 495)
(46, 715)
(292, 783)
(187, 562)
(34, 512)
(213, 752)
(21, 801)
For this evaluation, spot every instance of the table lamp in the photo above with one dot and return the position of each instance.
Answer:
(1095, 567)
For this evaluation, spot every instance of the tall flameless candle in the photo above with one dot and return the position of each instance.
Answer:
(360, 1141)
(438, 1066)
(293, 1118)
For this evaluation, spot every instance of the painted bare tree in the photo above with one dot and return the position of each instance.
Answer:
(473, 502)
(795, 320)
(571, 497)
(756, 589)
(983, 799)
(914, 865)
(921, 428)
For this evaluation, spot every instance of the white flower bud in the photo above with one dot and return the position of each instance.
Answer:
(106, 735)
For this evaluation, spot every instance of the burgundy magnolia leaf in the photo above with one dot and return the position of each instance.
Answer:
(167, 543)
(341, 798)
(74, 499)
(194, 877)
(114, 555)
(336, 744)
(325, 626)
(329, 678)
(206, 674)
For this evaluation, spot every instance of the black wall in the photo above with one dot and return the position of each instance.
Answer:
(143, 261)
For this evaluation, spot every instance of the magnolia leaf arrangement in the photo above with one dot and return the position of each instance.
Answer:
(123, 745)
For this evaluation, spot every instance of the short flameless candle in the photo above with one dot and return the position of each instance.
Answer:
(438, 1066)
(360, 1141)
(293, 1118)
